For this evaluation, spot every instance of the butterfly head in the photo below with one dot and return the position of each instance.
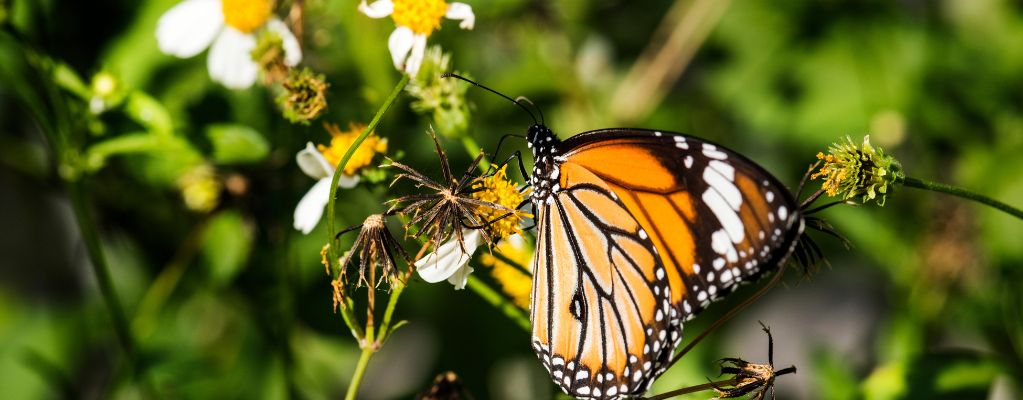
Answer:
(544, 146)
(538, 137)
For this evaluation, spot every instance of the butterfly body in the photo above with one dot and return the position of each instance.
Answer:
(637, 232)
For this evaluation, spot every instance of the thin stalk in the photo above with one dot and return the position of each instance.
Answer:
(100, 269)
(360, 370)
(963, 193)
(373, 343)
(385, 327)
(497, 300)
(346, 312)
(692, 389)
(474, 150)
(729, 315)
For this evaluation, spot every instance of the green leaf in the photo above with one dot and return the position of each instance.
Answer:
(226, 246)
(236, 144)
(149, 113)
(96, 155)
(68, 79)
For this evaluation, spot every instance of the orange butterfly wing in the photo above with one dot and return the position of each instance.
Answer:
(627, 211)
(600, 300)
(716, 218)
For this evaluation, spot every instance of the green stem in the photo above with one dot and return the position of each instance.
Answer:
(100, 269)
(474, 150)
(360, 370)
(371, 344)
(494, 298)
(960, 192)
(691, 389)
(389, 312)
(346, 312)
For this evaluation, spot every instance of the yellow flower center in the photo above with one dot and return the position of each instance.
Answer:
(421, 16)
(342, 140)
(246, 15)
(498, 189)
(515, 283)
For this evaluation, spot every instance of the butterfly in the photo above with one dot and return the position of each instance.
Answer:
(638, 231)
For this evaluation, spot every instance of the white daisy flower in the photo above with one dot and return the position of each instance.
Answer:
(229, 29)
(451, 260)
(319, 162)
(416, 20)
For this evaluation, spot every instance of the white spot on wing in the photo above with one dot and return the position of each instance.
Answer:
(712, 151)
(725, 215)
(723, 184)
(680, 142)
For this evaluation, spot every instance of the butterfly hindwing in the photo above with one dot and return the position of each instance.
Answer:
(600, 306)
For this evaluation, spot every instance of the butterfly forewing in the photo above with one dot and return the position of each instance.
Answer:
(716, 218)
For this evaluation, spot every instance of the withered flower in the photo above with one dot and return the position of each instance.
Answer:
(375, 247)
(450, 210)
(304, 97)
(749, 378)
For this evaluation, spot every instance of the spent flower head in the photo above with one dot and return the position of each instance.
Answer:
(269, 56)
(376, 249)
(852, 170)
(305, 96)
(749, 378)
(443, 98)
(448, 208)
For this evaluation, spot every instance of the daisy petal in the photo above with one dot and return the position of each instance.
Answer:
(448, 259)
(461, 277)
(189, 27)
(400, 43)
(292, 51)
(416, 58)
(461, 12)
(346, 181)
(230, 60)
(378, 9)
(312, 162)
(310, 208)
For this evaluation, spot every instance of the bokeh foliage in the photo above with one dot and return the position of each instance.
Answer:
(225, 298)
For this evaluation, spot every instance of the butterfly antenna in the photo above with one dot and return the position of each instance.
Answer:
(451, 75)
(526, 99)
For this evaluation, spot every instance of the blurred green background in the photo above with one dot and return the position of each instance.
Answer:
(231, 301)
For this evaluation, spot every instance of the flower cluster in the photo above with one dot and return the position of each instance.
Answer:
(230, 29)
(506, 263)
(415, 20)
(852, 170)
(319, 162)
